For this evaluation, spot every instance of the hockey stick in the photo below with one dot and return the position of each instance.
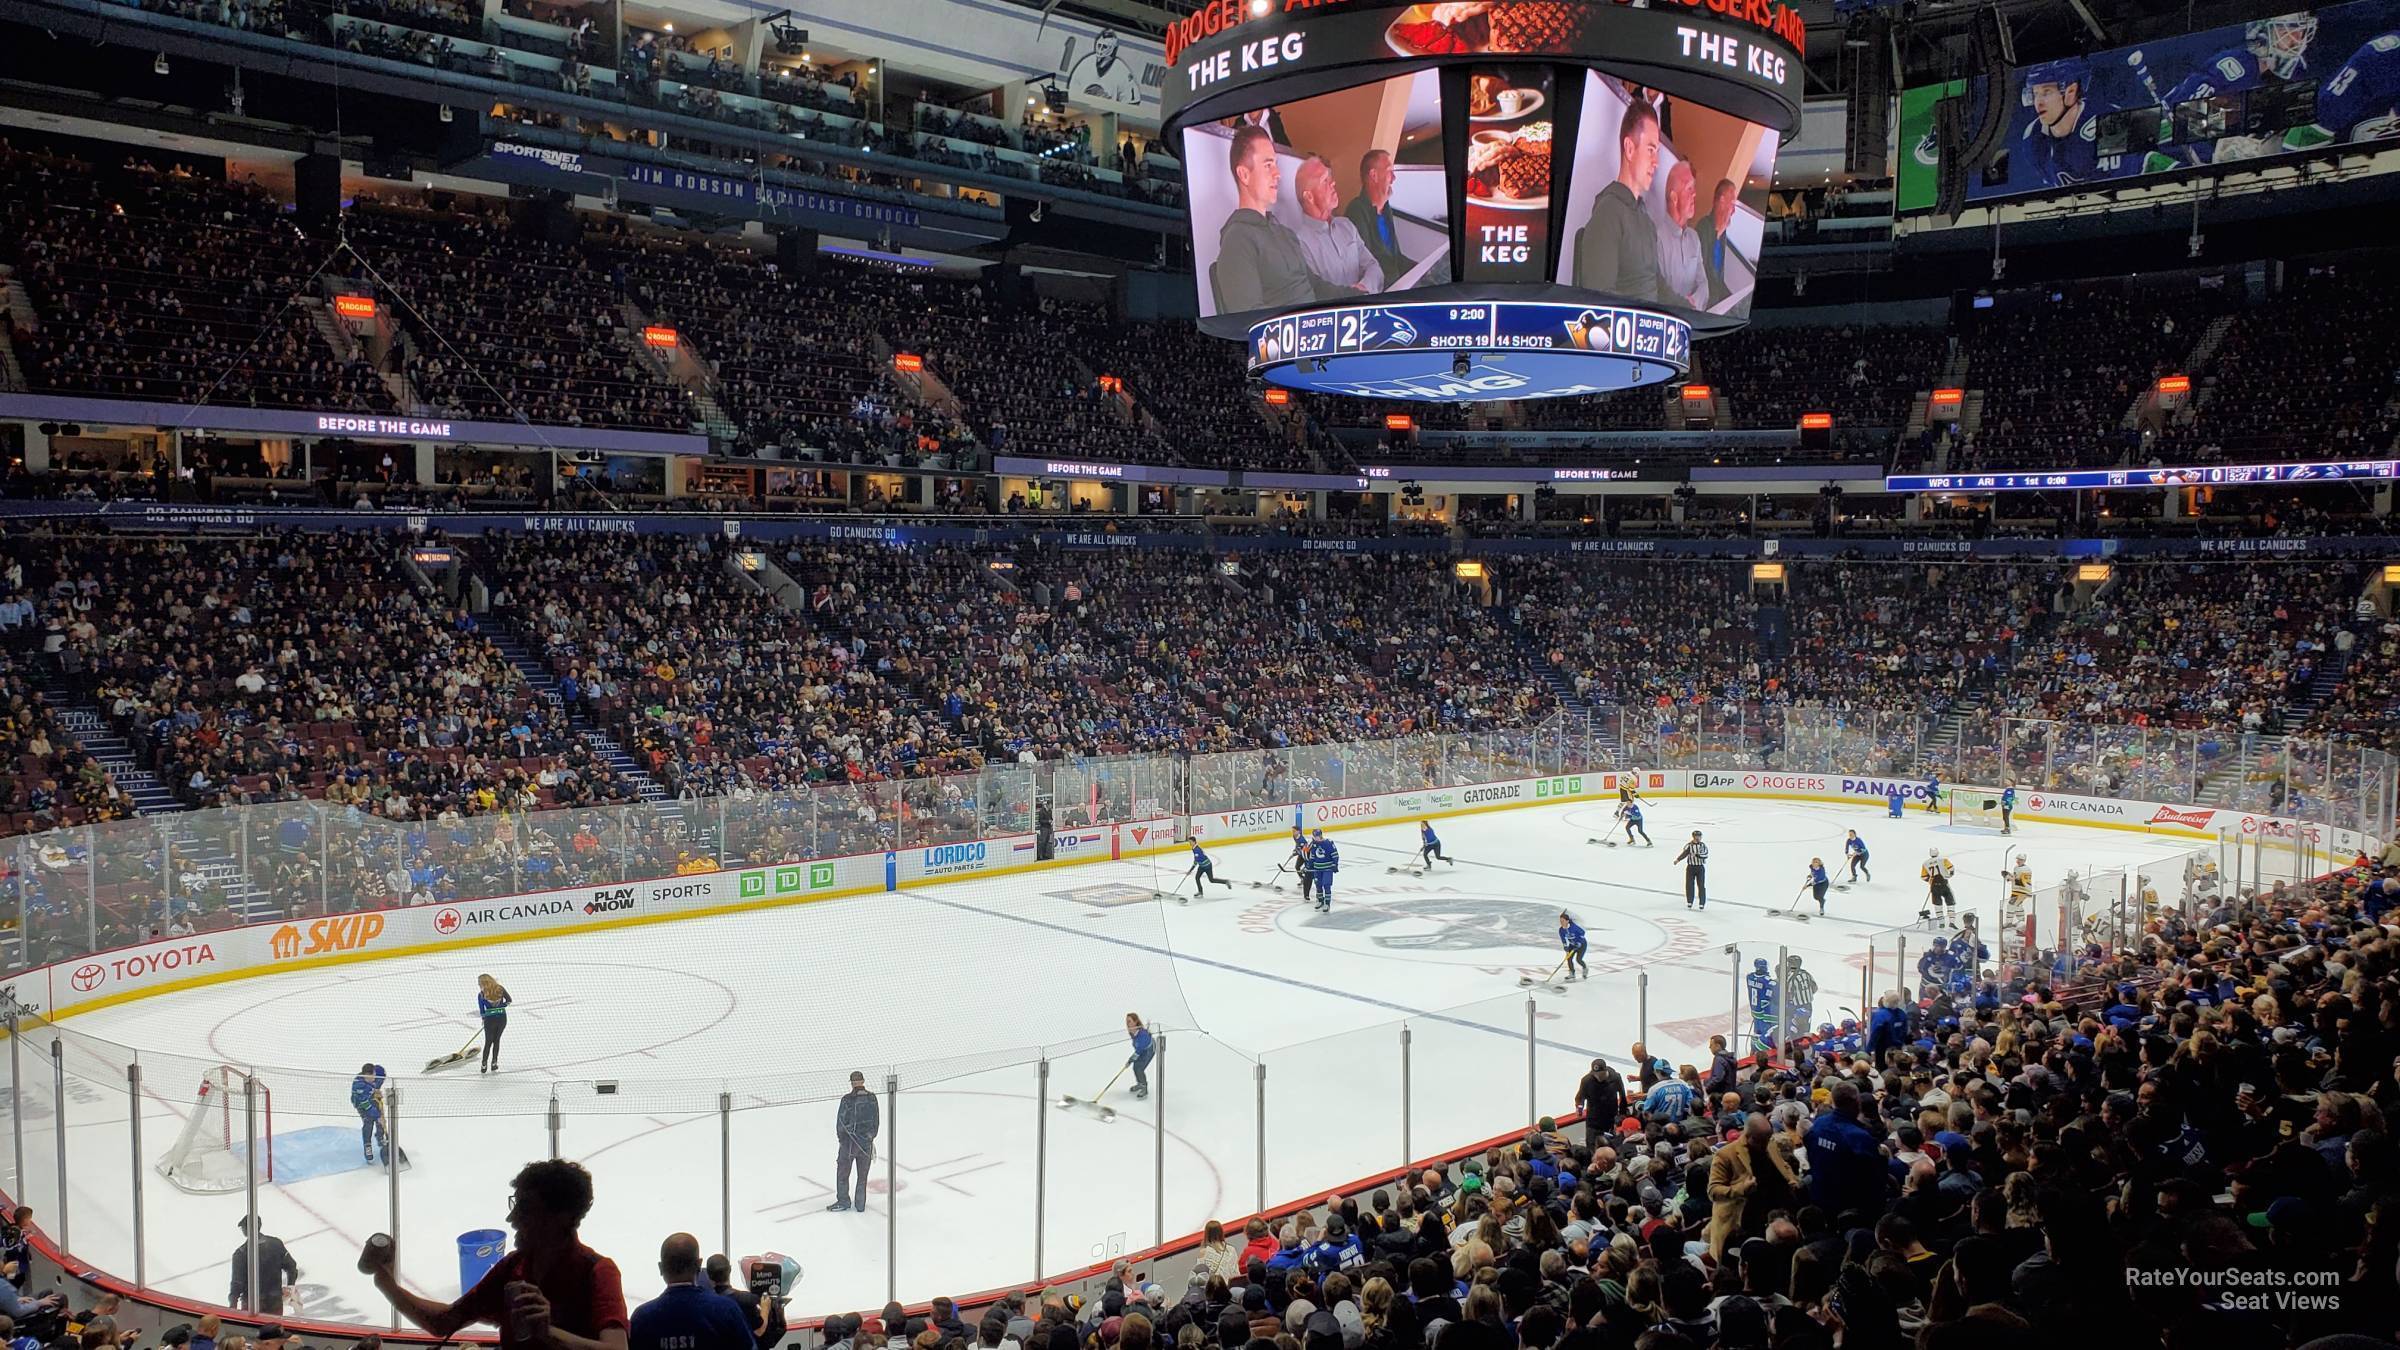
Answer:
(1550, 980)
(465, 1053)
(1106, 1113)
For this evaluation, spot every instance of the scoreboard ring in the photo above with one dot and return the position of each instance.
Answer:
(1470, 350)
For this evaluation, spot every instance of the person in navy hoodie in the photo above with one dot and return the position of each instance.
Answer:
(687, 1314)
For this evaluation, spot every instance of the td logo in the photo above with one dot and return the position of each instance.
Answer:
(1558, 787)
(792, 879)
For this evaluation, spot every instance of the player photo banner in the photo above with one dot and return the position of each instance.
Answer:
(1740, 55)
(2290, 84)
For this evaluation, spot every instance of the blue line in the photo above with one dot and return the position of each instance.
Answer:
(1172, 955)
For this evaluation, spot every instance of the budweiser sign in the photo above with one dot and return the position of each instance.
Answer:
(2196, 818)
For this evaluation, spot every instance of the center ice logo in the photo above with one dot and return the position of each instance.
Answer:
(1443, 923)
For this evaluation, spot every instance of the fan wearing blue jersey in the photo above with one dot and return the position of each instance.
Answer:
(2361, 101)
(1323, 861)
(1204, 871)
(1855, 849)
(1572, 942)
(1429, 846)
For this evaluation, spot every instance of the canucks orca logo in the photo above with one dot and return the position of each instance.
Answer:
(1387, 329)
(1928, 152)
(1446, 923)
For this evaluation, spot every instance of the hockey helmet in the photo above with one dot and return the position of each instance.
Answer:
(1941, 944)
(2281, 43)
(1933, 852)
(1759, 964)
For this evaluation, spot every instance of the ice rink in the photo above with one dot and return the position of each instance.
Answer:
(956, 988)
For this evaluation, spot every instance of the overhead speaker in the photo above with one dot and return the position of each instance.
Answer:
(1866, 69)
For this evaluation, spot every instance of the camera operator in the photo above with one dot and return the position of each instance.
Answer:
(765, 1312)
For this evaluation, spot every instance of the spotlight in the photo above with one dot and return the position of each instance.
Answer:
(159, 66)
(1258, 8)
(445, 113)
(1460, 365)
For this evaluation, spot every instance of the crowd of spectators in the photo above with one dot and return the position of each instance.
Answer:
(2062, 370)
(164, 285)
(269, 668)
(713, 684)
(2189, 645)
(2307, 374)
(1865, 375)
(505, 326)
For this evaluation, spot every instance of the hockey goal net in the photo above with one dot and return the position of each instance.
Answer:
(210, 1156)
(1978, 807)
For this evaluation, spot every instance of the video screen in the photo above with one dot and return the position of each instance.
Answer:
(1666, 204)
(1321, 199)
(1508, 173)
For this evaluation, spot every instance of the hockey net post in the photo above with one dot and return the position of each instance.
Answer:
(211, 1155)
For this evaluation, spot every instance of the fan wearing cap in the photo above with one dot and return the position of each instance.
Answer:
(551, 1293)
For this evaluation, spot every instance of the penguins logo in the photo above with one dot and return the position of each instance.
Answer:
(1446, 923)
(1589, 331)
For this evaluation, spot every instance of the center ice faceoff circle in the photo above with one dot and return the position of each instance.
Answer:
(1466, 928)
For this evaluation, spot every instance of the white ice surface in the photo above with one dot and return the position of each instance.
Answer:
(776, 1007)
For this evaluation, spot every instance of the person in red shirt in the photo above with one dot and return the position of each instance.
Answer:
(551, 1293)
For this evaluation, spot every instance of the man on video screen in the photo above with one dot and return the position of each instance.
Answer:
(1259, 264)
(1618, 251)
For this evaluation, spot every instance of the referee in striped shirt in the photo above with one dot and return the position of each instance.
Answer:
(1694, 858)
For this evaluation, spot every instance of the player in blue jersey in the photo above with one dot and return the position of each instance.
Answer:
(366, 1098)
(1819, 881)
(2060, 146)
(1204, 871)
(1323, 861)
(1571, 941)
(1429, 846)
(1631, 812)
(2361, 101)
(1855, 850)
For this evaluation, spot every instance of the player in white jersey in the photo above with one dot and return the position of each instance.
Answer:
(1936, 874)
